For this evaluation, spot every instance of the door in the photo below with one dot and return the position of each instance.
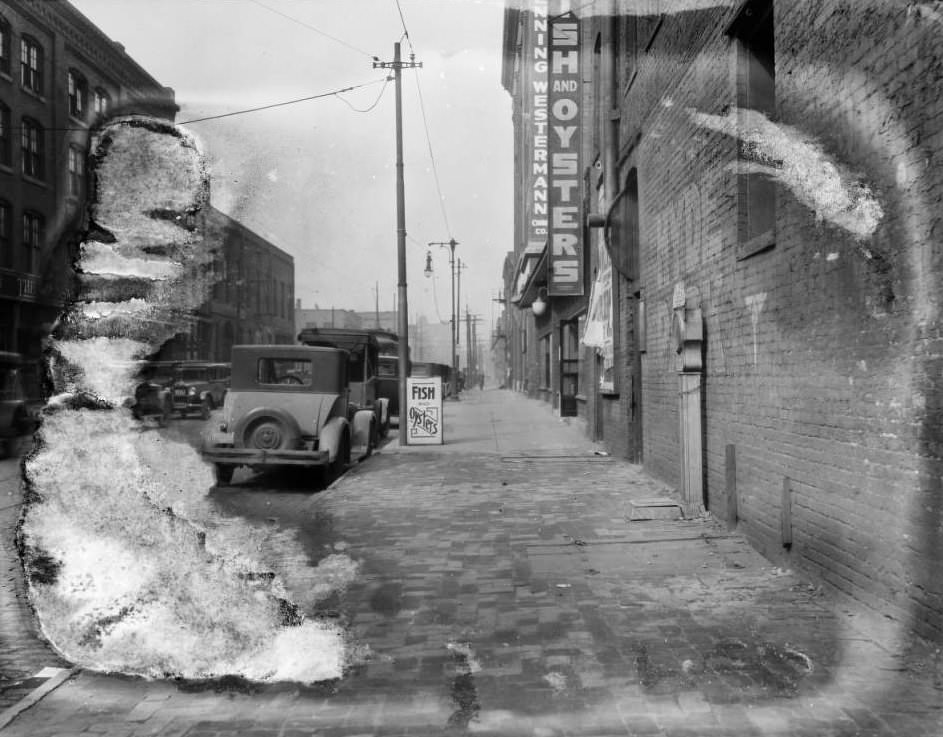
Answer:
(569, 367)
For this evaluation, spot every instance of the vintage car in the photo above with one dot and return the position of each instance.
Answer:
(21, 398)
(153, 394)
(199, 387)
(289, 406)
(364, 368)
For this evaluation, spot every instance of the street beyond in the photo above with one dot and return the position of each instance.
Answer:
(505, 589)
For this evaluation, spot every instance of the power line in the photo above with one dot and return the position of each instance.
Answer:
(405, 30)
(312, 28)
(375, 102)
(282, 104)
(435, 171)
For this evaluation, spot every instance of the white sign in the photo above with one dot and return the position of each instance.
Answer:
(424, 411)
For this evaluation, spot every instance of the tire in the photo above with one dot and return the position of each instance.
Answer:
(167, 411)
(269, 433)
(206, 407)
(339, 464)
(224, 472)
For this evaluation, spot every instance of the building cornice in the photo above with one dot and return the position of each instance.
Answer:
(64, 20)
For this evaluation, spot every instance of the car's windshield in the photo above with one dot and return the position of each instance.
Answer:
(192, 374)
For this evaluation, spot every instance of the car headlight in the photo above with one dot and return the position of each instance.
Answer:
(191, 391)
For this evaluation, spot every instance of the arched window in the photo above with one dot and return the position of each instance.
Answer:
(102, 102)
(31, 64)
(33, 148)
(76, 170)
(34, 232)
(78, 95)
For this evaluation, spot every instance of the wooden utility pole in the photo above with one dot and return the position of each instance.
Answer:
(397, 65)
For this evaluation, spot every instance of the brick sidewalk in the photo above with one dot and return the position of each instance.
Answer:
(504, 591)
(23, 653)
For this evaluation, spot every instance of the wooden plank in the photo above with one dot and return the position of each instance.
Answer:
(732, 500)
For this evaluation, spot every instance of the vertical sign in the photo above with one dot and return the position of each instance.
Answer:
(538, 173)
(564, 149)
(424, 411)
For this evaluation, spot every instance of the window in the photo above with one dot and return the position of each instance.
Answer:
(32, 148)
(288, 371)
(31, 65)
(33, 235)
(76, 170)
(756, 91)
(4, 46)
(6, 148)
(78, 95)
(6, 224)
(102, 102)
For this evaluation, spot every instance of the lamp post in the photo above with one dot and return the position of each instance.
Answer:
(451, 243)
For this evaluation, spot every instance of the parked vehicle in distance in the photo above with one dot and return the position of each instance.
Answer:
(289, 406)
(21, 398)
(388, 373)
(153, 396)
(427, 369)
(363, 347)
(199, 387)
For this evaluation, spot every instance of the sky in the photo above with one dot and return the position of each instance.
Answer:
(317, 178)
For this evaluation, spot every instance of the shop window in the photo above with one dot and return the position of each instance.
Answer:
(78, 95)
(33, 235)
(4, 46)
(756, 91)
(32, 145)
(6, 147)
(6, 227)
(76, 170)
(31, 64)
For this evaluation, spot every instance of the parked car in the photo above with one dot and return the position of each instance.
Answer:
(199, 387)
(364, 368)
(21, 398)
(289, 406)
(153, 397)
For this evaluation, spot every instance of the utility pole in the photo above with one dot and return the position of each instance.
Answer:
(469, 377)
(398, 65)
(453, 321)
(458, 332)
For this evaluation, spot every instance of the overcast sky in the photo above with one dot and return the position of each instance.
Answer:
(318, 178)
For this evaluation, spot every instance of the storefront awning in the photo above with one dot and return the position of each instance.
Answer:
(531, 274)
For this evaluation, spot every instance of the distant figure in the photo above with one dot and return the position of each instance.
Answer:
(481, 382)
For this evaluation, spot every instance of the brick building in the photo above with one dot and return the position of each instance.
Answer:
(760, 243)
(59, 75)
(252, 300)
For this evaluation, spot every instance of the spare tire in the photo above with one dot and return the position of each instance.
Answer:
(267, 430)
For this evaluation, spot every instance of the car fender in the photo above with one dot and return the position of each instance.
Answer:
(258, 413)
(330, 436)
(361, 430)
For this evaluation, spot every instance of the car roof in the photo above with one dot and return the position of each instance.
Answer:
(347, 338)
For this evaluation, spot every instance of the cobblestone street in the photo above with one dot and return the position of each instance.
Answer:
(505, 591)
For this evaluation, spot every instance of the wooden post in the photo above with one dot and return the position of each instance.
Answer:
(732, 501)
(692, 466)
(787, 512)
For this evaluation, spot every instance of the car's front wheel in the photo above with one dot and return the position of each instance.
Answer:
(339, 464)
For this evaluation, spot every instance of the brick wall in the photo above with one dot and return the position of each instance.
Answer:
(823, 354)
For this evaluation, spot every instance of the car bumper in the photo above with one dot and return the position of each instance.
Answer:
(256, 457)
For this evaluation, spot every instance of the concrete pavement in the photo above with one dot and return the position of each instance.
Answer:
(504, 591)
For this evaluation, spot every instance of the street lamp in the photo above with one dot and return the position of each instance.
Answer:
(539, 305)
(451, 243)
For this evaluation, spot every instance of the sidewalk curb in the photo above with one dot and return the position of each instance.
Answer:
(36, 695)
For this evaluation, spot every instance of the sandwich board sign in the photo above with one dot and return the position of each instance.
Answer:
(424, 411)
